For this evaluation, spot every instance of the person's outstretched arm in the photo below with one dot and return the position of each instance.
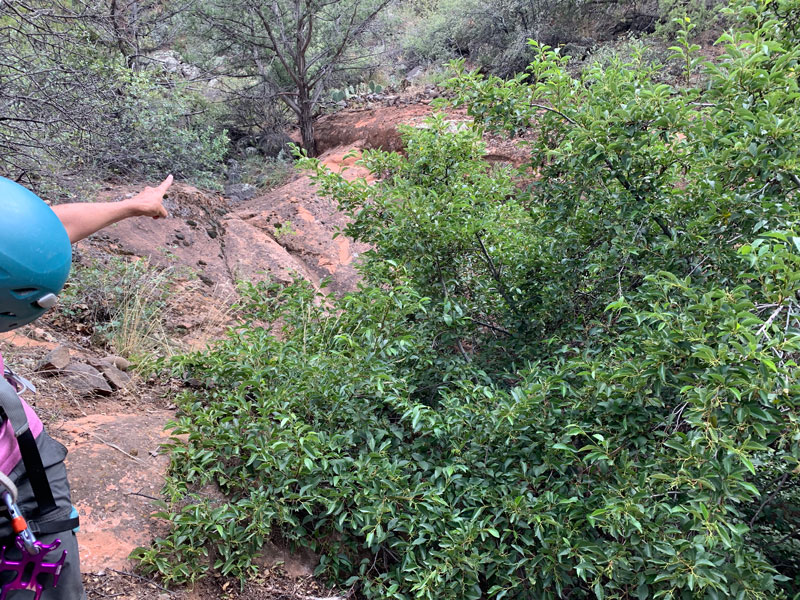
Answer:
(83, 219)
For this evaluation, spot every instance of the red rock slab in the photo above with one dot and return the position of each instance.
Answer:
(372, 128)
(305, 225)
(114, 464)
(342, 160)
(191, 236)
(16, 339)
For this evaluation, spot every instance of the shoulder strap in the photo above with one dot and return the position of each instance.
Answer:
(11, 405)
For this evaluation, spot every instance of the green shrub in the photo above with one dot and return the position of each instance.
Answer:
(573, 380)
(155, 133)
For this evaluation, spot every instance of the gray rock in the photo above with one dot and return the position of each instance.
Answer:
(169, 60)
(56, 360)
(85, 379)
(118, 379)
(415, 73)
(240, 192)
(122, 364)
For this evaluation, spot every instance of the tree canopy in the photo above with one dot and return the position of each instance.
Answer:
(290, 50)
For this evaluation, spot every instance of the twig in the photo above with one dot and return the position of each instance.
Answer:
(463, 352)
(490, 326)
(769, 321)
(143, 496)
(698, 265)
(496, 276)
(764, 187)
(678, 412)
(769, 498)
(114, 446)
(553, 110)
(135, 576)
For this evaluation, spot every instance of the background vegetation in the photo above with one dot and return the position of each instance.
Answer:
(577, 379)
(126, 89)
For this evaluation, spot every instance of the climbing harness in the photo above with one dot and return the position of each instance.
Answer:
(11, 406)
(32, 562)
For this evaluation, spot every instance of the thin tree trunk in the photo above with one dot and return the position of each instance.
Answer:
(307, 133)
(306, 122)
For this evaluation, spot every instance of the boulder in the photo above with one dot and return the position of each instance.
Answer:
(239, 192)
(55, 361)
(85, 379)
(117, 378)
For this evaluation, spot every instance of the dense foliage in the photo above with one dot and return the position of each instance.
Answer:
(493, 34)
(79, 98)
(573, 380)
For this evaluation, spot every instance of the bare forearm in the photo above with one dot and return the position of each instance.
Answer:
(82, 220)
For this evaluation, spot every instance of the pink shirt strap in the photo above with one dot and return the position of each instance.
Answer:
(9, 449)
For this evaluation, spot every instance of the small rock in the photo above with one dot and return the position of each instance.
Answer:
(117, 361)
(212, 233)
(240, 192)
(205, 279)
(56, 360)
(202, 263)
(38, 333)
(191, 223)
(180, 236)
(118, 379)
(415, 73)
(86, 379)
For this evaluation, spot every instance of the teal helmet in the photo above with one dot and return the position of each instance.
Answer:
(35, 256)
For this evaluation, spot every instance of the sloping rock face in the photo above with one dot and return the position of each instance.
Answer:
(302, 225)
(192, 235)
(115, 468)
(285, 234)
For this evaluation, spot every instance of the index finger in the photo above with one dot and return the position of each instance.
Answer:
(164, 185)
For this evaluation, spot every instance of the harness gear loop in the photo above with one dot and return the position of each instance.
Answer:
(31, 563)
(11, 406)
(32, 560)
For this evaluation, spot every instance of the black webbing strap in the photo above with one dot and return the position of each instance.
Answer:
(11, 405)
(58, 526)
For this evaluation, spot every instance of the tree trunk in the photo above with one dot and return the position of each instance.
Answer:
(307, 127)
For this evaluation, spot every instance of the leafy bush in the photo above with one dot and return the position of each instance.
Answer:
(576, 380)
(156, 134)
(73, 107)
